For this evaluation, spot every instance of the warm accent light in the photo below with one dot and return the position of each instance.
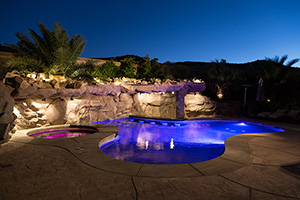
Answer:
(16, 112)
(220, 95)
(37, 105)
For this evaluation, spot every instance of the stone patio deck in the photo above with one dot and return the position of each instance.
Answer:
(256, 166)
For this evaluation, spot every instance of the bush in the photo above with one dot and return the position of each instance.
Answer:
(149, 68)
(127, 68)
(106, 70)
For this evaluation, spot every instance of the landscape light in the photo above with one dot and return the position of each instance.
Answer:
(220, 95)
(16, 112)
(37, 105)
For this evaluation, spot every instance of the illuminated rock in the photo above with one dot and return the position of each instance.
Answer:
(197, 105)
(14, 79)
(56, 112)
(43, 85)
(7, 116)
(43, 102)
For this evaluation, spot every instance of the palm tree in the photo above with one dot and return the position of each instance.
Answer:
(221, 77)
(53, 49)
(282, 60)
(278, 78)
(276, 71)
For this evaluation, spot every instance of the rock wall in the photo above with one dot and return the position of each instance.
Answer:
(155, 105)
(37, 112)
(52, 102)
(197, 105)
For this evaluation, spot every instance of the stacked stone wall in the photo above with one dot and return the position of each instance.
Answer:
(31, 103)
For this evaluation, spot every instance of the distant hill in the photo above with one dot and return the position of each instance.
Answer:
(190, 69)
(137, 59)
(6, 49)
(198, 69)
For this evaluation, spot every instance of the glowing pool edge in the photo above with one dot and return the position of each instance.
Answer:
(228, 146)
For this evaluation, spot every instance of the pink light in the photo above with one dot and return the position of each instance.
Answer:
(61, 130)
(64, 135)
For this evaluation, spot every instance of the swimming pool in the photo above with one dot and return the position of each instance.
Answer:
(152, 141)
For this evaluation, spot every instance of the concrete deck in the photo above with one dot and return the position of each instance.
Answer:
(256, 166)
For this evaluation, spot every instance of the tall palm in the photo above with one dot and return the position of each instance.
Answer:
(277, 71)
(277, 75)
(282, 60)
(221, 78)
(53, 48)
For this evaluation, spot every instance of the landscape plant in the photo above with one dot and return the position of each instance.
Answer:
(280, 81)
(148, 69)
(127, 68)
(106, 70)
(55, 52)
(83, 72)
(220, 78)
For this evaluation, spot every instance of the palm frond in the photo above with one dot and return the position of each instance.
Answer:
(41, 46)
(14, 47)
(77, 44)
(24, 46)
(283, 59)
(61, 36)
(23, 64)
(292, 62)
(48, 39)
(276, 59)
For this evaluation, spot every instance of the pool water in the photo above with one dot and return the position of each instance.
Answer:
(173, 142)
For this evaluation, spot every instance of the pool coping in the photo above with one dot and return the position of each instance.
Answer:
(86, 148)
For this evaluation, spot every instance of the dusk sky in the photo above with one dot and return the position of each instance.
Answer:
(238, 31)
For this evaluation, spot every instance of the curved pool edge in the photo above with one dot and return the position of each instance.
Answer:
(237, 155)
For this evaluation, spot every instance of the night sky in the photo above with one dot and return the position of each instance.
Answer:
(238, 31)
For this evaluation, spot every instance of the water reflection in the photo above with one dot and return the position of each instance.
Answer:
(167, 143)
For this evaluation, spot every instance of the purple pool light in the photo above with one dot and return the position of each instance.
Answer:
(61, 130)
(64, 135)
(174, 142)
(68, 132)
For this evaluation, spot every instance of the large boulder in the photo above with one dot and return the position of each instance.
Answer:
(56, 112)
(14, 79)
(7, 116)
(197, 105)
